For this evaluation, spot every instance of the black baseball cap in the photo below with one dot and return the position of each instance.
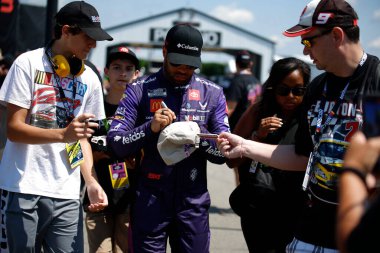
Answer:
(243, 57)
(85, 16)
(121, 52)
(324, 13)
(184, 44)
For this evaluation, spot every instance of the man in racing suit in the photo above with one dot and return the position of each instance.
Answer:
(171, 201)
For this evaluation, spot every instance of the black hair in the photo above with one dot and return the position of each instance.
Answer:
(267, 104)
(74, 30)
(352, 32)
(243, 64)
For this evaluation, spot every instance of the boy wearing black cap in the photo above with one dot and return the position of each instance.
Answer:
(50, 97)
(172, 199)
(332, 112)
(107, 231)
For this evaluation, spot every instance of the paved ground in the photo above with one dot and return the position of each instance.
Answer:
(226, 235)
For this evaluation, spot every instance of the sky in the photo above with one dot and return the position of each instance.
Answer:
(267, 18)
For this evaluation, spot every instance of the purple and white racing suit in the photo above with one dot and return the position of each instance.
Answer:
(171, 201)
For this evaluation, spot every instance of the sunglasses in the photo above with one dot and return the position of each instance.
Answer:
(177, 65)
(282, 90)
(307, 41)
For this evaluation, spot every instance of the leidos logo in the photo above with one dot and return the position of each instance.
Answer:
(214, 152)
(133, 137)
(155, 104)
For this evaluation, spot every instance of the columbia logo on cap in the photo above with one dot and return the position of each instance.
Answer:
(184, 44)
(179, 45)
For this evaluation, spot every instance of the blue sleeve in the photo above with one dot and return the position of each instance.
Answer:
(217, 123)
(125, 136)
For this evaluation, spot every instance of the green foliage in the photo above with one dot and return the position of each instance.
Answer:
(213, 69)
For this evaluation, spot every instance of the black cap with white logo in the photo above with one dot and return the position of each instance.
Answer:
(85, 16)
(184, 44)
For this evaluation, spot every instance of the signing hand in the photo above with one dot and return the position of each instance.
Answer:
(162, 118)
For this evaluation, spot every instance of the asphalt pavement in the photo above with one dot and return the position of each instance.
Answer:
(226, 234)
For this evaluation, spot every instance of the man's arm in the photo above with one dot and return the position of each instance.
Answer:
(98, 198)
(278, 156)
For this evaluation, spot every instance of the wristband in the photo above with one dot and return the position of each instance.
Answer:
(241, 148)
(359, 173)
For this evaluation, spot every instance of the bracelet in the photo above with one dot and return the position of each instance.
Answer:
(241, 148)
(362, 175)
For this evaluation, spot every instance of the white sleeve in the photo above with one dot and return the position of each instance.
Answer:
(18, 85)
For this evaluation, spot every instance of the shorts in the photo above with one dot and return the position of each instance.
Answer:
(32, 222)
(297, 246)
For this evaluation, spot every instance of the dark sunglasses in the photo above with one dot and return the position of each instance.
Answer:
(177, 65)
(282, 90)
(307, 41)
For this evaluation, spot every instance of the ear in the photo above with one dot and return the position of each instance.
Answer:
(65, 30)
(106, 71)
(164, 51)
(137, 72)
(338, 36)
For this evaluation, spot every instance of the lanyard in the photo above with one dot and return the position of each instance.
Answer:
(68, 106)
(319, 128)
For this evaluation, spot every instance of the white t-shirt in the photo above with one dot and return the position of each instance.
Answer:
(43, 169)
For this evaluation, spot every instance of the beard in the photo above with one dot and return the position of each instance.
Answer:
(175, 78)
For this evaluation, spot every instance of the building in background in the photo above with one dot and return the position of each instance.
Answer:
(26, 27)
(221, 40)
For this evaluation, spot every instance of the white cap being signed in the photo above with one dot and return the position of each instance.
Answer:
(176, 141)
